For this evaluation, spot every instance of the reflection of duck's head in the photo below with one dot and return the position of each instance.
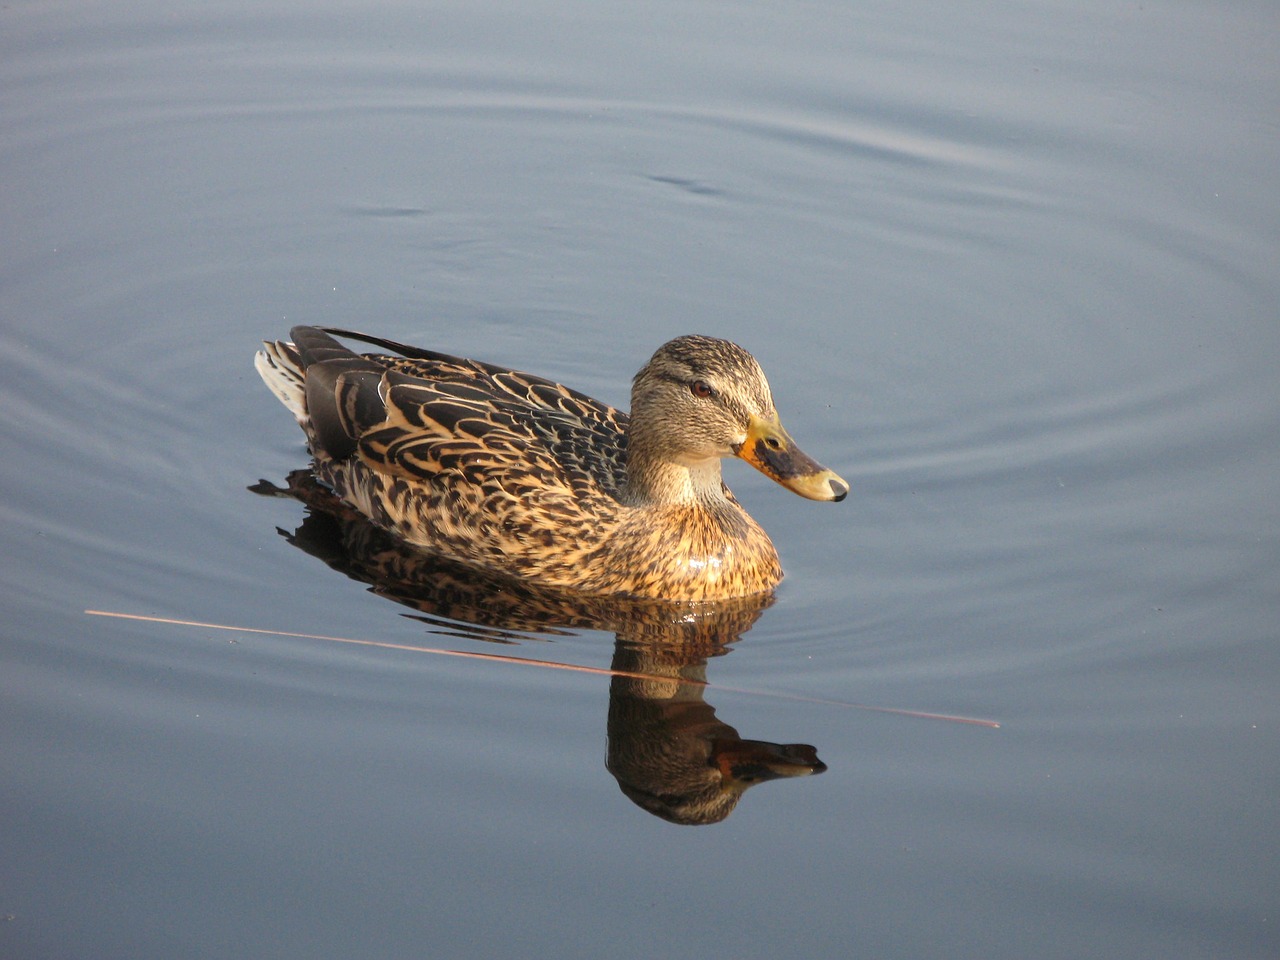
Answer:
(669, 752)
(692, 780)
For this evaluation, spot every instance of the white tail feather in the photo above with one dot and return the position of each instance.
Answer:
(281, 371)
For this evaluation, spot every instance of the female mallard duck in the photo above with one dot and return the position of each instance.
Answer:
(523, 476)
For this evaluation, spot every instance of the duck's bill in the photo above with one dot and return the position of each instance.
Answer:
(770, 449)
(745, 762)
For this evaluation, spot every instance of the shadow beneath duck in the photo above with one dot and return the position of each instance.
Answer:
(667, 749)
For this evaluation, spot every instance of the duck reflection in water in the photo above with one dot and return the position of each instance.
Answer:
(667, 749)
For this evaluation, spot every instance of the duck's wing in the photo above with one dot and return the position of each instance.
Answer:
(430, 417)
(502, 382)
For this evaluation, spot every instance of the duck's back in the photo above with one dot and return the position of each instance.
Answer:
(484, 464)
(490, 422)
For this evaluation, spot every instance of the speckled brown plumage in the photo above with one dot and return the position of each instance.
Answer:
(515, 473)
(668, 750)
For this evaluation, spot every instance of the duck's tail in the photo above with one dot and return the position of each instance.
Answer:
(280, 367)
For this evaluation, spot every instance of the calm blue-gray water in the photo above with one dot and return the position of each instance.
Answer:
(1013, 269)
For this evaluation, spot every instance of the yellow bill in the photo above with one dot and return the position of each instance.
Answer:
(770, 449)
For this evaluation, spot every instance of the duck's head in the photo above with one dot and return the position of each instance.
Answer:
(700, 399)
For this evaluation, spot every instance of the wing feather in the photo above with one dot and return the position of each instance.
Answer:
(450, 422)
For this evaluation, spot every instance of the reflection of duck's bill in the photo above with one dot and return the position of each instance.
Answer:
(770, 449)
(754, 761)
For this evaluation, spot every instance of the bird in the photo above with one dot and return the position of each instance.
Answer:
(517, 475)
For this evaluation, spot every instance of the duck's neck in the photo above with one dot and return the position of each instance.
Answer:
(655, 482)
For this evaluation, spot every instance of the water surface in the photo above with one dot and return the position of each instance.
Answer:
(1011, 270)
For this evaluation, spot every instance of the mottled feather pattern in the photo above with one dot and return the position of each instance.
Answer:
(524, 476)
(434, 585)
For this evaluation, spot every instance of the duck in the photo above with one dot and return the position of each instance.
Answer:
(523, 477)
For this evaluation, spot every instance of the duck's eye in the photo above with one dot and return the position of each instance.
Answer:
(702, 389)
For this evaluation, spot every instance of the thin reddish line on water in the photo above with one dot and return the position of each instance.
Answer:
(548, 664)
